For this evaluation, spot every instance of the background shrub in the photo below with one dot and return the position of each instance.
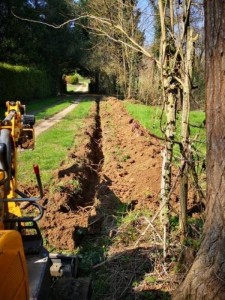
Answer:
(23, 83)
(72, 79)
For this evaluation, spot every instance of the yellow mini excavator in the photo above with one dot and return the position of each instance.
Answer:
(26, 266)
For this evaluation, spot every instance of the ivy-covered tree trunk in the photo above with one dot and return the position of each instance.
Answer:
(186, 147)
(169, 88)
(205, 280)
(167, 154)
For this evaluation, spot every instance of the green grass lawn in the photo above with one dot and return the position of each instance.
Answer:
(150, 118)
(52, 145)
(44, 108)
(50, 111)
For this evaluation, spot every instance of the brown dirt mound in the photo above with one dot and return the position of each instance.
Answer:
(67, 205)
(132, 160)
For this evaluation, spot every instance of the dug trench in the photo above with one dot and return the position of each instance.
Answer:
(100, 204)
(70, 210)
(117, 164)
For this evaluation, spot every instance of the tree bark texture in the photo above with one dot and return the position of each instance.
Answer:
(206, 278)
(187, 78)
(170, 90)
(168, 99)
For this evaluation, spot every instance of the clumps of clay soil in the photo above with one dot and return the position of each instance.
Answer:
(71, 200)
(132, 164)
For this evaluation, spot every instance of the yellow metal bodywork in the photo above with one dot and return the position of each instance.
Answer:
(15, 126)
(13, 275)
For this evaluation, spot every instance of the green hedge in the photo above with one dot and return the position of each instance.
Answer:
(23, 83)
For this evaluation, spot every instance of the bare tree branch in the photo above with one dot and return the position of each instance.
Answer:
(48, 24)
(102, 21)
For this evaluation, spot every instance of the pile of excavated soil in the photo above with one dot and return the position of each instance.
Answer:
(116, 162)
(132, 159)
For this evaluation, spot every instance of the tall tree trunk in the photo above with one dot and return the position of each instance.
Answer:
(188, 68)
(205, 280)
(166, 162)
(170, 96)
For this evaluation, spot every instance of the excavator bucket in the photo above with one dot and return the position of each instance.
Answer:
(26, 139)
